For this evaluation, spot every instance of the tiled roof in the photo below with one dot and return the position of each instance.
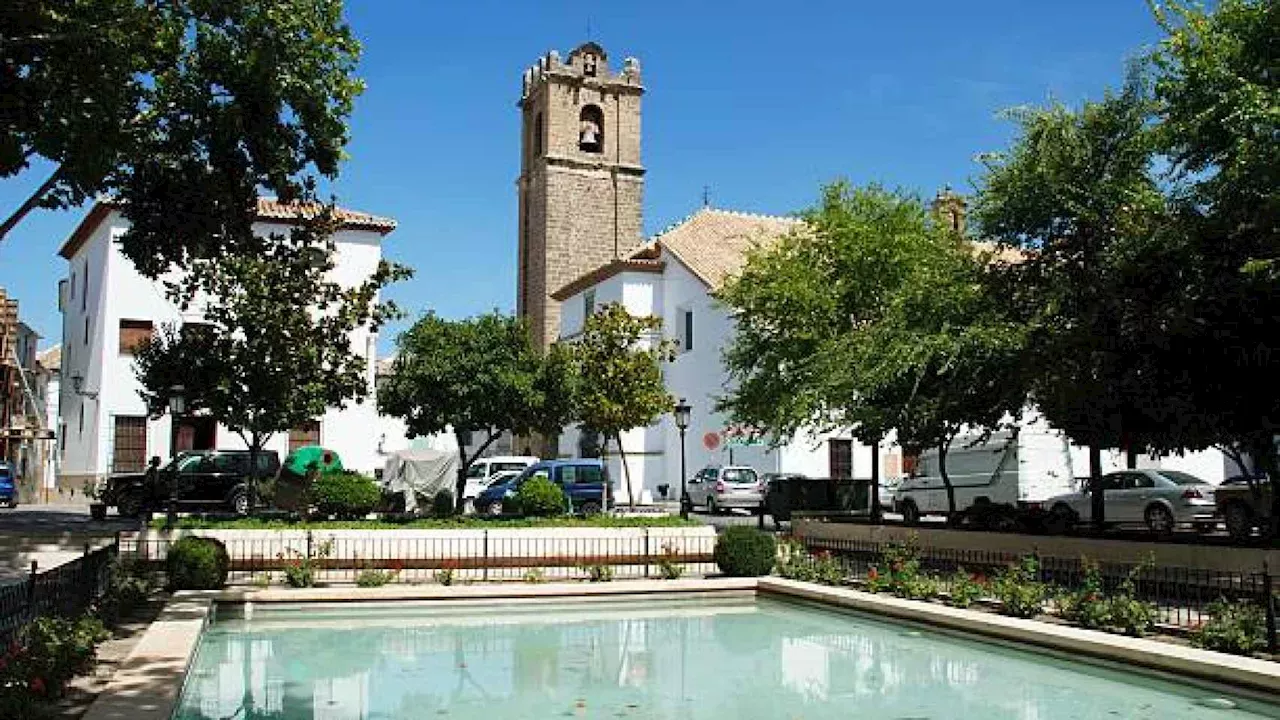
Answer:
(606, 271)
(269, 209)
(50, 359)
(714, 244)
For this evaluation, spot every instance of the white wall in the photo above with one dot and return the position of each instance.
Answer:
(118, 292)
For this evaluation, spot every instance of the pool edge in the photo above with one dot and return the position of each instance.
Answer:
(1230, 671)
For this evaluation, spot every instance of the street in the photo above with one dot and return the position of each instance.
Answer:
(50, 535)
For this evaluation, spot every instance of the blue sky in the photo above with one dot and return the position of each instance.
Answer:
(762, 102)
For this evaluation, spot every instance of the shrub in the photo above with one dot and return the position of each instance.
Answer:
(1087, 606)
(1019, 590)
(345, 495)
(372, 577)
(535, 576)
(599, 572)
(442, 505)
(1233, 627)
(130, 585)
(47, 655)
(794, 562)
(668, 568)
(300, 570)
(745, 552)
(539, 497)
(898, 571)
(447, 573)
(197, 563)
(965, 589)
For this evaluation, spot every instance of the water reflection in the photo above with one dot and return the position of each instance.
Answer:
(740, 660)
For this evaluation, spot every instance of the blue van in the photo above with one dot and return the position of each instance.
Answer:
(8, 486)
(585, 482)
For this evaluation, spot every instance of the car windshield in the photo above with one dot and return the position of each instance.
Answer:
(1180, 478)
(186, 463)
(735, 475)
(476, 471)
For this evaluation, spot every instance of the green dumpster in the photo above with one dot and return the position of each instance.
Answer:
(293, 485)
(307, 456)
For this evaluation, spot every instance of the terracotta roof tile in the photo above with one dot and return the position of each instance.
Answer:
(50, 359)
(714, 244)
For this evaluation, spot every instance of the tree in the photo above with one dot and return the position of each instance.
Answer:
(618, 370)
(798, 305)
(274, 349)
(478, 374)
(182, 111)
(943, 357)
(1096, 281)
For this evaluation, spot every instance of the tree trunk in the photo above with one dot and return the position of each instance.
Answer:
(877, 512)
(1266, 463)
(255, 449)
(31, 203)
(1237, 457)
(460, 485)
(1097, 499)
(626, 471)
(943, 447)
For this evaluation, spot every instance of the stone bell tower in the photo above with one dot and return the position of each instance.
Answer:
(581, 182)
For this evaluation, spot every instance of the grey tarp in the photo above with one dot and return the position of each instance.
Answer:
(420, 473)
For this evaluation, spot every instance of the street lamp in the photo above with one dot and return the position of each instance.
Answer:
(681, 413)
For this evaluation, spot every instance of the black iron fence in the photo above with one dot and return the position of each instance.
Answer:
(479, 555)
(65, 590)
(1181, 595)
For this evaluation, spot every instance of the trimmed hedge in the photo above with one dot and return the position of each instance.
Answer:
(345, 495)
(745, 552)
(539, 497)
(197, 563)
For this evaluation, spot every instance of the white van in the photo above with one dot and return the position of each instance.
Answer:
(483, 469)
(999, 482)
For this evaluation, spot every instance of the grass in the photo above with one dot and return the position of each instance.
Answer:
(466, 523)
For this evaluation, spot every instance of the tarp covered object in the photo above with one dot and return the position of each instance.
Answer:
(420, 473)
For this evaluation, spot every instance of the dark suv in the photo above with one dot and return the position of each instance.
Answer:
(193, 479)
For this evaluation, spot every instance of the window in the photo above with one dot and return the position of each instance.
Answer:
(537, 135)
(133, 335)
(568, 475)
(62, 439)
(307, 434)
(86, 329)
(81, 430)
(593, 474)
(130, 446)
(840, 458)
(62, 295)
(73, 286)
(588, 304)
(591, 129)
(685, 325)
(84, 296)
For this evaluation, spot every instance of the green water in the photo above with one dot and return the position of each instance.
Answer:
(648, 658)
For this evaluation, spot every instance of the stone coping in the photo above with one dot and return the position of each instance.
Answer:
(149, 682)
(1179, 661)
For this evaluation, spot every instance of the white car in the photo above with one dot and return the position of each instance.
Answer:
(480, 474)
(1160, 499)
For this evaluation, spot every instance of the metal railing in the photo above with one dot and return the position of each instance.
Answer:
(65, 590)
(1180, 595)
(475, 556)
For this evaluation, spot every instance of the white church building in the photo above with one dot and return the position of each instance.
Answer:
(108, 307)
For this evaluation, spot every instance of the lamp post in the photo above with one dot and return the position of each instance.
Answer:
(681, 413)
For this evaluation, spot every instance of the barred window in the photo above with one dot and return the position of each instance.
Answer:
(130, 448)
(840, 456)
(306, 434)
(133, 335)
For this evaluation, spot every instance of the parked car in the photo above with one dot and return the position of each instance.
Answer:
(1001, 482)
(1241, 510)
(718, 489)
(8, 486)
(475, 487)
(206, 479)
(483, 471)
(1160, 499)
(585, 482)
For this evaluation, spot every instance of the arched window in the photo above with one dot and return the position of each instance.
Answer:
(591, 129)
(537, 135)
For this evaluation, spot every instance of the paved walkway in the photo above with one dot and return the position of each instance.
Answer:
(50, 535)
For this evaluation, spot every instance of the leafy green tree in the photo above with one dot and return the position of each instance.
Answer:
(478, 374)
(1076, 194)
(618, 371)
(798, 306)
(274, 348)
(182, 110)
(1217, 118)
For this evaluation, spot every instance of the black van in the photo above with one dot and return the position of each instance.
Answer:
(204, 479)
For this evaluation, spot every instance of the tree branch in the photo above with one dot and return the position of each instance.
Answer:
(31, 203)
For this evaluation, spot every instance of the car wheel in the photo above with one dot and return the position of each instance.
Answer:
(712, 507)
(910, 514)
(1159, 520)
(1239, 521)
(1062, 520)
(130, 504)
(590, 508)
(239, 503)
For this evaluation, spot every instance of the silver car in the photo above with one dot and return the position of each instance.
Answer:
(719, 489)
(1160, 499)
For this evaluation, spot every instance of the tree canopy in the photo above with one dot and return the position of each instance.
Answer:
(181, 110)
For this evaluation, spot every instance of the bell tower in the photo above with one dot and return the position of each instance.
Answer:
(581, 182)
